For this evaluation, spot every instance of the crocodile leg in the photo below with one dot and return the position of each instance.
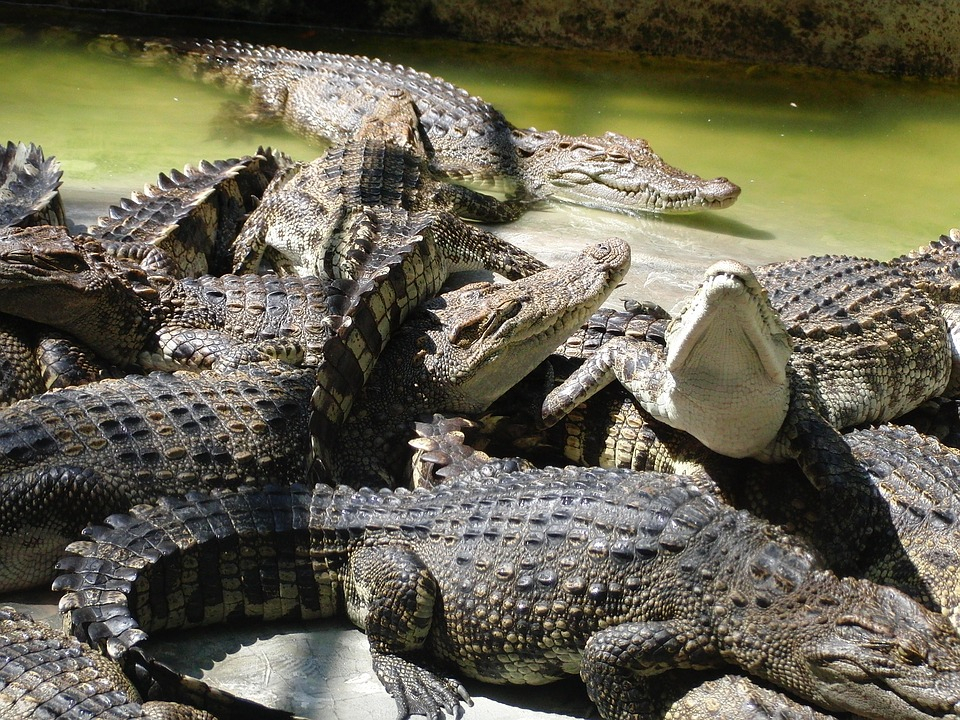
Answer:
(638, 365)
(467, 247)
(65, 363)
(474, 205)
(197, 348)
(391, 593)
(616, 659)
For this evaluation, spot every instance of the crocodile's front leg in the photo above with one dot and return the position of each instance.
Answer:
(473, 205)
(617, 659)
(638, 365)
(391, 594)
(191, 348)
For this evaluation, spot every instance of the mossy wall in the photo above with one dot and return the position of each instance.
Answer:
(901, 37)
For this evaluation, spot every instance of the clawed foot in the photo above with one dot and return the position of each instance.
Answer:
(417, 691)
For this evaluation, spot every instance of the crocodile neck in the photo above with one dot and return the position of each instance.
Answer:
(726, 366)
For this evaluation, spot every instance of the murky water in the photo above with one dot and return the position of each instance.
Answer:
(827, 162)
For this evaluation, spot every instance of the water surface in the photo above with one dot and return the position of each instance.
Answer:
(828, 162)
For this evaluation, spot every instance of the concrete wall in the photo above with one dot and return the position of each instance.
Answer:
(902, 37)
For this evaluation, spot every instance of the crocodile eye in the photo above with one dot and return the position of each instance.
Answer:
(910, 654)
(467, 332)
(509, 309)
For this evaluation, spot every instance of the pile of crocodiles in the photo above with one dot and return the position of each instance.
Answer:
(256, 391)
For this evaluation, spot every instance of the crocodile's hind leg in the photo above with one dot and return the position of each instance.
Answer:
(391, 594)
(191, 348)
(617, 660)
(467, 247)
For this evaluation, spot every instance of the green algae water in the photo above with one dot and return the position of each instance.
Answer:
(828, 163)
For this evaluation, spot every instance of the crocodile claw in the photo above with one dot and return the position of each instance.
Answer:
(418, 691)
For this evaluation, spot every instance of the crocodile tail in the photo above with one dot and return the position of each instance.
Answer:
(378, 307)
(33, 182)
(228, 63)
(156, 679)
(193, 561)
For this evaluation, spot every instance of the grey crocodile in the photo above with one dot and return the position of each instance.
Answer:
(327, 216)
(460, 351)
(79, 453)
(524, 577)
(324, 96)
(29, 187)
(184, 225)
(840, 341)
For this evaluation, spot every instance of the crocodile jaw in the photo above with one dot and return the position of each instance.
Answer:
(891, 658)
(497, 350)
(726, 362)
(614, 173)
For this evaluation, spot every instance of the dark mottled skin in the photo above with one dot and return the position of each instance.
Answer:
(526, 577)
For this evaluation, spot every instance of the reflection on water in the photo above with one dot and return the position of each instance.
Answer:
(828, 163)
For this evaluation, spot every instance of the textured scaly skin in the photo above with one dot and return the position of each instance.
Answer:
(152, 322)
(184, 224)
(861, 341)
(460, 351)
(316, 216)
(324, 96)
(894, 520)
(44, 673)
(29, 187)
(523, 577)
(47, 674)
(71, 456)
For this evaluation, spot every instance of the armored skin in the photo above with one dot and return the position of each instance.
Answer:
(515, 576)
(324, 96)
(835, 342)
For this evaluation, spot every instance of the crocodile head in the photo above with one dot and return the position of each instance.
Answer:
(492, 335)
(614, 173)
(461, 350)
(726, 377)
(48, 277)
(886, 657)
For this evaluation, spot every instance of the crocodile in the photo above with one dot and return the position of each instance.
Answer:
(184, 225)
(314, 216)
(523, 577)
(460, 351)
(894, 522)
(29, 187)
(76, 454)
(155, 322)
(323, 96)
(251, 424)
(838, 341)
